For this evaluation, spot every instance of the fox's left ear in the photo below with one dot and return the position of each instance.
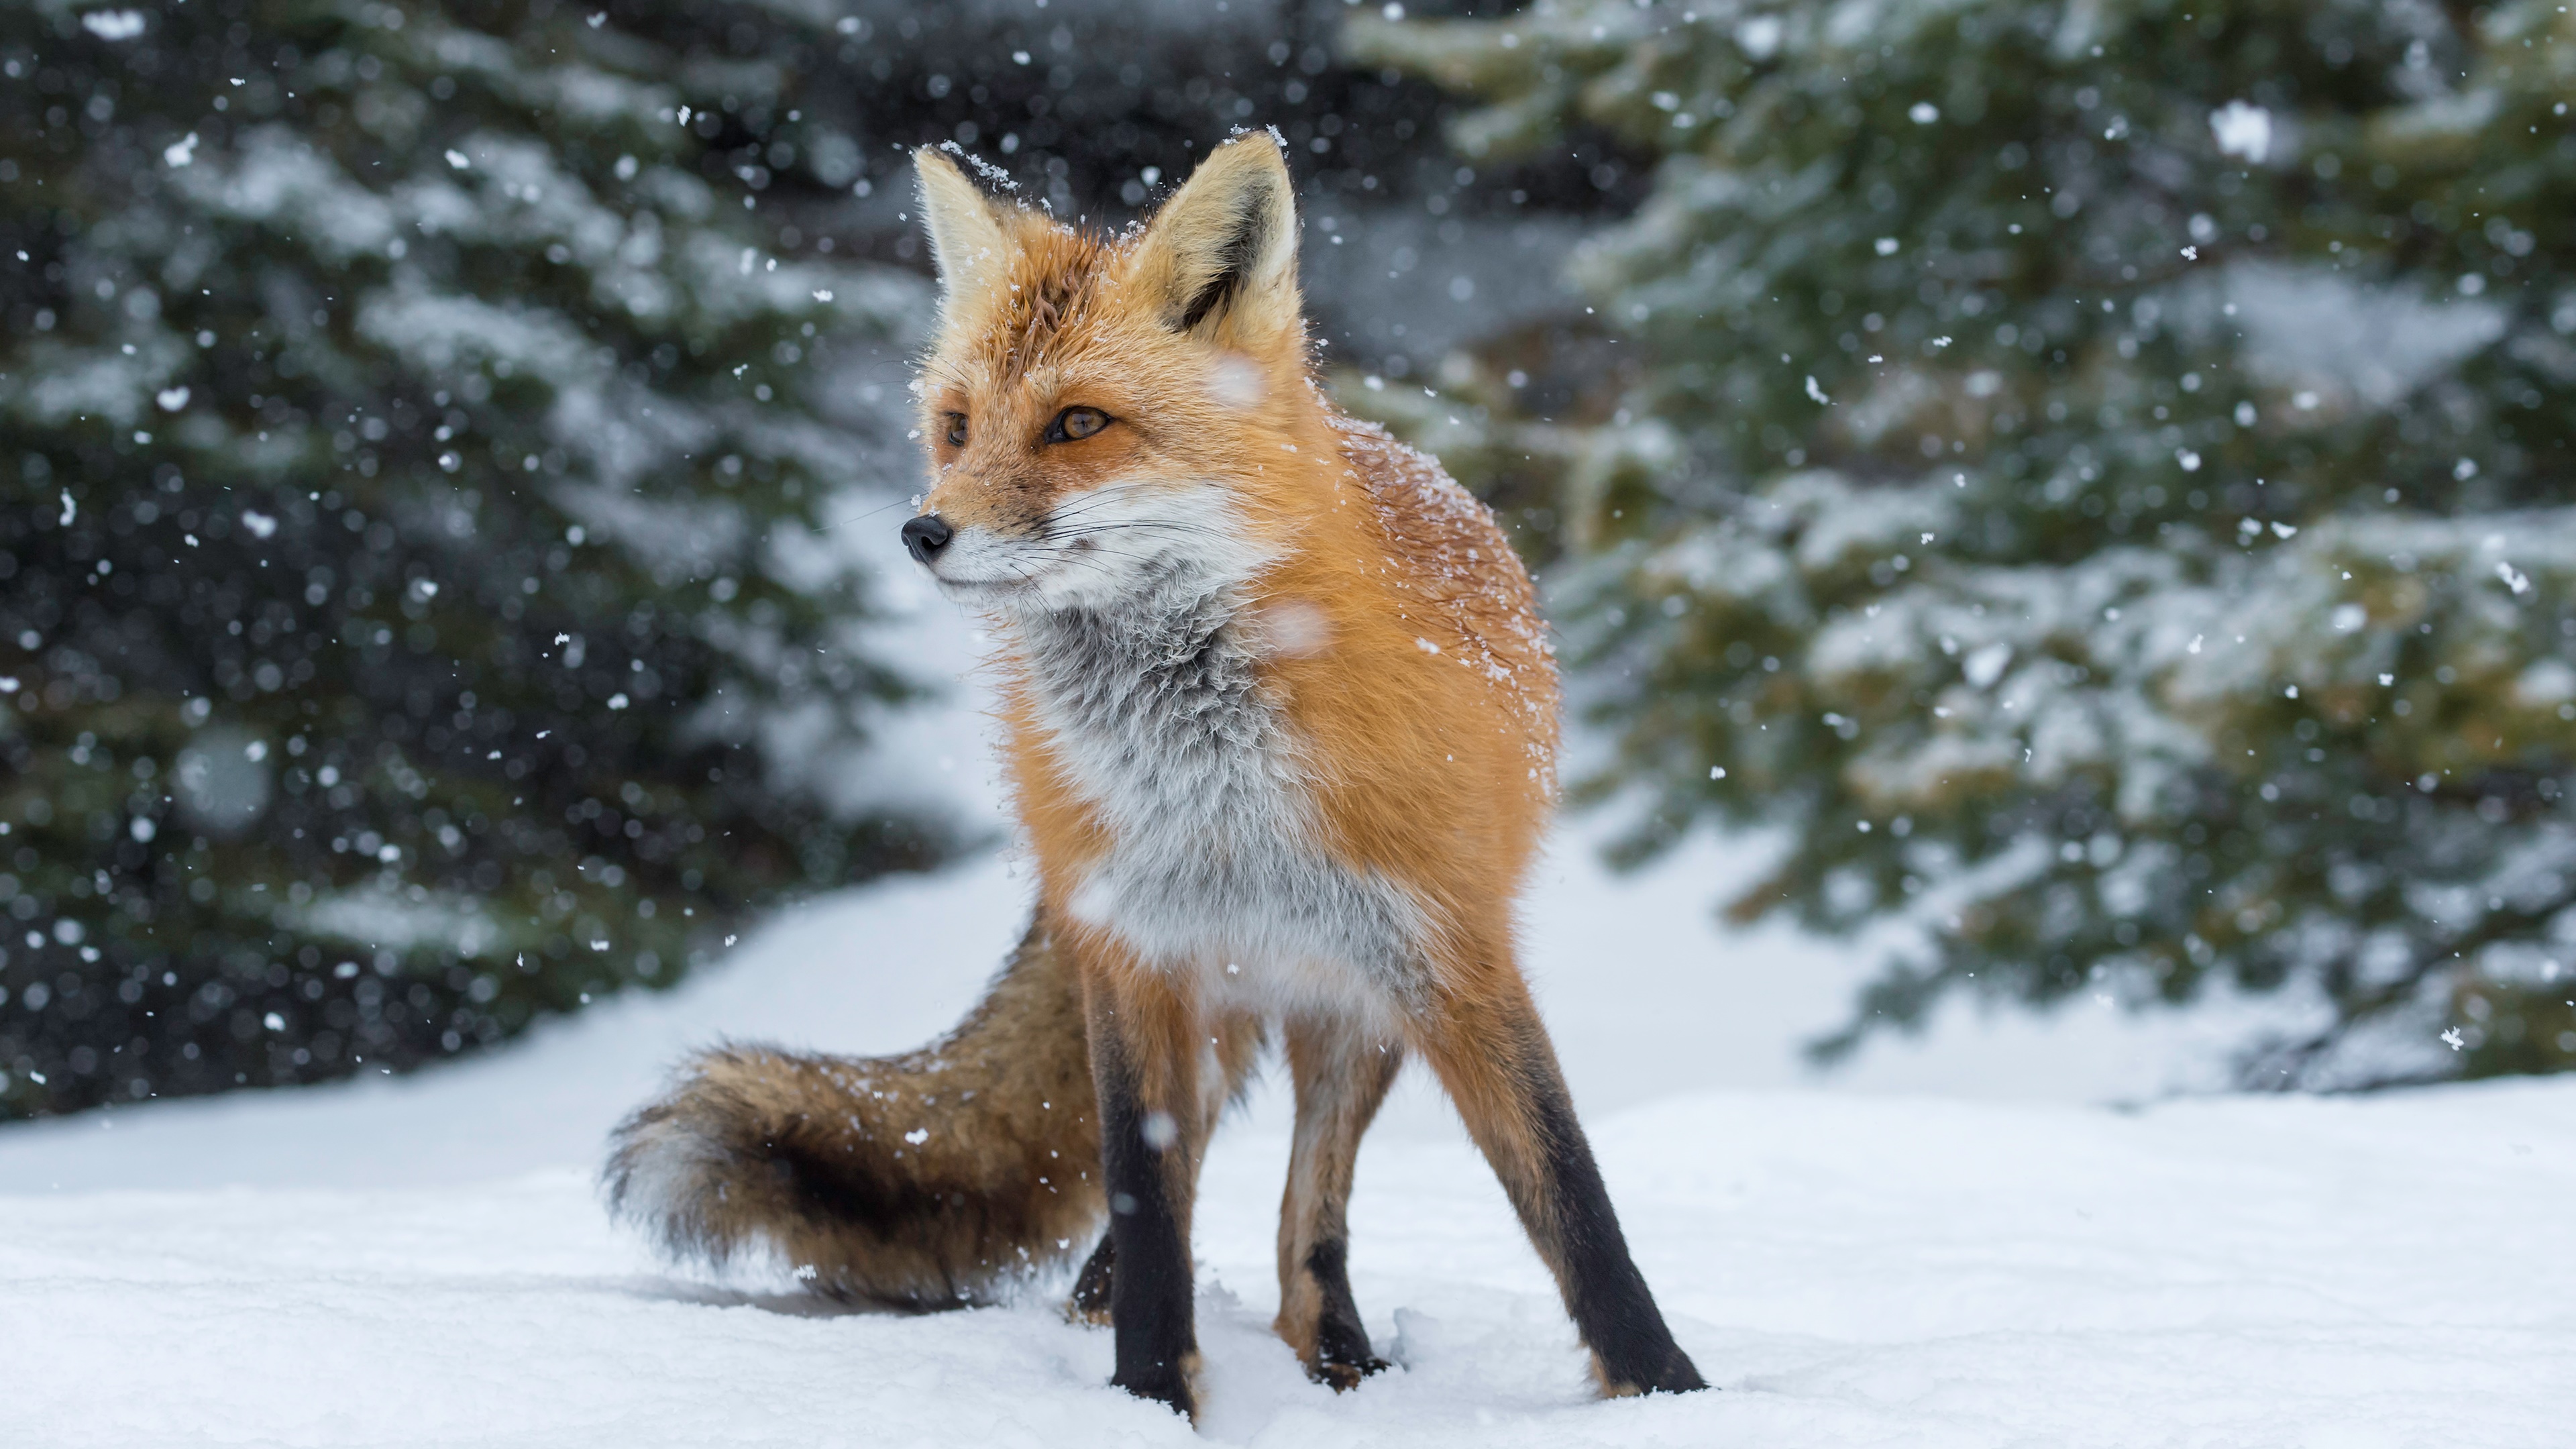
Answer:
(1221, 256)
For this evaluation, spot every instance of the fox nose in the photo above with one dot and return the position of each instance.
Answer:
(926, 535)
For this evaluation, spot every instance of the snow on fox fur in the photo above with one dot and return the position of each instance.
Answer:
(1281, 727)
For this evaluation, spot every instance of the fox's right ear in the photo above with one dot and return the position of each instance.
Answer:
(967, 238)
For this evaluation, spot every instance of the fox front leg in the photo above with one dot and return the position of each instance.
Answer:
(1238, 1041)
(1145, 1068)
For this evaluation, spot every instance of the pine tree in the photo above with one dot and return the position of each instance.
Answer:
(417, 491)
(2096, 476)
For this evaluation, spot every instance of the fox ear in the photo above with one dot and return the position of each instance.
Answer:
(967, 238)
(1222, 253)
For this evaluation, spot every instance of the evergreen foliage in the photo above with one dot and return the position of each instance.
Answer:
(415, 491)
(2097, 476)
(568, 286)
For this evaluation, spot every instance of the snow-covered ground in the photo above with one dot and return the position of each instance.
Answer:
(1850, 1269)
(1954, 1242)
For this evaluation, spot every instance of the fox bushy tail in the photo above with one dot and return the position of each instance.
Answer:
(927, 1180)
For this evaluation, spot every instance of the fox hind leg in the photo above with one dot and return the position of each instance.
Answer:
(1493, 1056)
(1092, 1286)
(1341, 1077)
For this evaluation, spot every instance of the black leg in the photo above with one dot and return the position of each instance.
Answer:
(1149, 1137)
(1604, 1293)
(1493, 1055)
(1342, 1353)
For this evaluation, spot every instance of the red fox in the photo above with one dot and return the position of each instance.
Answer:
(1281, 723)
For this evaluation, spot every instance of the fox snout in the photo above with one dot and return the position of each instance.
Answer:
(924, 536)
(988, 547)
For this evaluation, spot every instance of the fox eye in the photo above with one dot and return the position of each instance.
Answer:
(1076, 423)
(957, 430)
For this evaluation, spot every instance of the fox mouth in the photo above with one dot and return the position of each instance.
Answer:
(993, 565)
(1087, 541)
(1121, 541)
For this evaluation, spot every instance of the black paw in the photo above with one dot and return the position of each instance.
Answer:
(1171, 1390)
(1345, 1374)
(1673, 1374)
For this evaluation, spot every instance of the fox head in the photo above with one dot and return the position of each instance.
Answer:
(1107, 416)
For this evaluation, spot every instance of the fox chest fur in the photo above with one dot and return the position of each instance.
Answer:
(1157, 715)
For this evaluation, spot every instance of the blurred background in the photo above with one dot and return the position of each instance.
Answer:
(2065, 503)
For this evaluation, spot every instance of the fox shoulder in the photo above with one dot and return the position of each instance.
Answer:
(1447, 550)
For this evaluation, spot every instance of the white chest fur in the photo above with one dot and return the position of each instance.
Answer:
(1157, 715)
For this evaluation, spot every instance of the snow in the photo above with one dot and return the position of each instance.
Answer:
(1953, 1243)
(2242, 130)
(113, 24)
(2311, 328)
(1849, 1270)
